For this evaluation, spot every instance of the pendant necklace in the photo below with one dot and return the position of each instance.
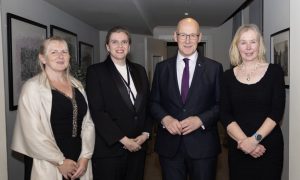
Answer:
(248, 75)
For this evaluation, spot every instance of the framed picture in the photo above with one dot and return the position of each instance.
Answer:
(86, 57)
(280, 52)
(71, 39)
(24, 38)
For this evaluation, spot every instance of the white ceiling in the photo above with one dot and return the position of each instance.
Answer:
(142, 16)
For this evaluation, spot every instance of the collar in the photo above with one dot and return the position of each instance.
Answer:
(193, 57)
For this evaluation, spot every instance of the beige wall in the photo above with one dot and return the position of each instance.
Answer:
(3, 153)
(294, 146)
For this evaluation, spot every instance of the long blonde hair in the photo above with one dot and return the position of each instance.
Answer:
(234, 54)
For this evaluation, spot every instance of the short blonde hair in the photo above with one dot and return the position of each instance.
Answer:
(234, 54)
(43, 48)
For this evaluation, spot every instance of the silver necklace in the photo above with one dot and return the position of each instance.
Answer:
(248, 75)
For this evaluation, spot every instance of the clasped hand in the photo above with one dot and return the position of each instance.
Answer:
(183, 127)
(72, 170)
(250, 146)
(135, 144)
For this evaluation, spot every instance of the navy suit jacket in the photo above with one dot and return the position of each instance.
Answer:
(111, 109)
(202, 101)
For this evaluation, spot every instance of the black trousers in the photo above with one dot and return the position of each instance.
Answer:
(129, 166)
(181, 166)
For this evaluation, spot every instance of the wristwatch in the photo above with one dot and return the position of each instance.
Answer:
(258, 137)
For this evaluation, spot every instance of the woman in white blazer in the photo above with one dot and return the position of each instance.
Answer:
(53, 126)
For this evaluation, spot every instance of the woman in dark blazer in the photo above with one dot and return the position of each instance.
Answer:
(117, 91)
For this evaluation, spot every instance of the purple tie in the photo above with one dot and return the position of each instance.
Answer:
(185, 80)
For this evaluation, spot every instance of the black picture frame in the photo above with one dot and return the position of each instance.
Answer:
(86, 58)
(280, 52)
(24, 38)
(71, 39)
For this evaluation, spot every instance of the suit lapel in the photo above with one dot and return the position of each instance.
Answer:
(198, 75)
(173, 74)
(119, 83)
(138, 85)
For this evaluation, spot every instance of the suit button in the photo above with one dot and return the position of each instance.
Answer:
(135, 117)
(184, 110)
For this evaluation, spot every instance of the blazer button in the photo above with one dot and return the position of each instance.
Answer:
(184, 110)
(135, 117)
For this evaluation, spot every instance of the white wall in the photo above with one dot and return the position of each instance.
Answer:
(3, 151)
(277, 17)
(154, 47)
(294, 146)
(217, 40)
(44, 13)
(103, 52)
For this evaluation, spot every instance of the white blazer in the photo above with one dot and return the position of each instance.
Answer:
(33, 134)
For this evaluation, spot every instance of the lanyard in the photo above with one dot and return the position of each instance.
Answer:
(128, 83)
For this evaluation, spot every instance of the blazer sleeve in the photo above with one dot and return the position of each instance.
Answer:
(157, 111)
(105, 127)
(211, 116)
(32, 134)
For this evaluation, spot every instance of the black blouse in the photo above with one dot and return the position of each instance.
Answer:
(62, 122)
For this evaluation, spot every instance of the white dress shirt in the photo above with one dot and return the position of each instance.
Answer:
(123, 71)
(180, 67)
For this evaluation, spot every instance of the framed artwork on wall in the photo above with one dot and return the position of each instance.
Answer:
(280, 52)
(71, 39)
(24, 38)
(86, 58)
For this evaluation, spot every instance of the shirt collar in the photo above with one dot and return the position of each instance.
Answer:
(193, 57)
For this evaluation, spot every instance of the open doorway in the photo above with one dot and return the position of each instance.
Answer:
(172, 48)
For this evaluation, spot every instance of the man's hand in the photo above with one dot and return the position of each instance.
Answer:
(190, 124)
(172, 125)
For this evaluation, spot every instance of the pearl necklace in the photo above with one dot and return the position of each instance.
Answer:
(248, 75)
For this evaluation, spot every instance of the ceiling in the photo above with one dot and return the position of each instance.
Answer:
(142, 16)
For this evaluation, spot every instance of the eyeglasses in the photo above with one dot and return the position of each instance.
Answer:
(183, 36)
(119, 43)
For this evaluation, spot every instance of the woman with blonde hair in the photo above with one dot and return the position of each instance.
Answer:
(53, 128)
(252, 106)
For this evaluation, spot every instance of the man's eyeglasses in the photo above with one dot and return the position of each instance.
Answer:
(183, 36)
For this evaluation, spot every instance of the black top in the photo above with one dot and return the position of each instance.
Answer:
(249, 106)
(61, 122)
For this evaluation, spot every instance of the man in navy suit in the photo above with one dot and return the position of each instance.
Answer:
(185, 101)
